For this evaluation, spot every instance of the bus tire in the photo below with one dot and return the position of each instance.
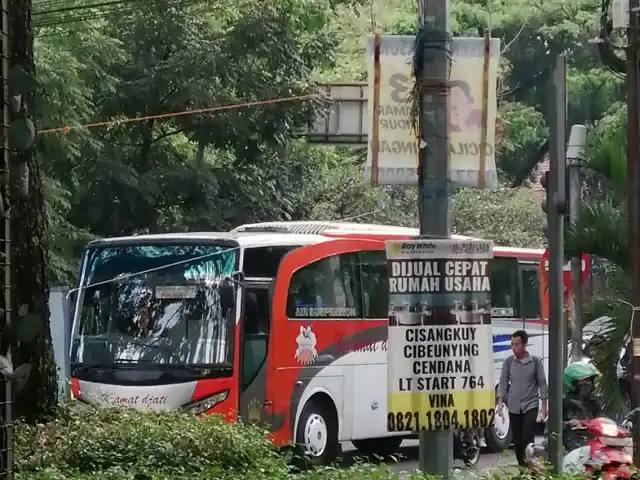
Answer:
(378, 446)
(498, 436)
(317, 433)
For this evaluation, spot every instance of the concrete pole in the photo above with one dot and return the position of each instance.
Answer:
(436, 447)
(575, 152)
(556, 205)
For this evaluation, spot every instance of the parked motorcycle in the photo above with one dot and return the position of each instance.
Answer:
(466, 446)
(607, 454)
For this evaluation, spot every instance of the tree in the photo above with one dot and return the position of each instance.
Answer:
(189, 171)
(29, 241)
(533, 33)
(508, 216)
(217, 169)
(67, 98)
(602, 232)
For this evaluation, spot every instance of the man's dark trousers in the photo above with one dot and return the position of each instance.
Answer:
(523, 427)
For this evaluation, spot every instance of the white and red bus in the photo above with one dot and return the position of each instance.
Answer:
(284, 323)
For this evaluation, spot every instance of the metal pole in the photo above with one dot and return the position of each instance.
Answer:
(436, 448)
(556, 205)
(633, 199)
(575, 150)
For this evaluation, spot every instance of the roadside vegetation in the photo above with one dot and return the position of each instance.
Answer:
(125, 444)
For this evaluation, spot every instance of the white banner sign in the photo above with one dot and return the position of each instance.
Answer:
(398, 141)
(440, 360)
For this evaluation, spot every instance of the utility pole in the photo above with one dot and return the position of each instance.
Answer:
(556, 205)
(436, 447)
(633, 207)
(575, 151)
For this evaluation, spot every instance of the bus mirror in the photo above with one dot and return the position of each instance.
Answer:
(227, 295)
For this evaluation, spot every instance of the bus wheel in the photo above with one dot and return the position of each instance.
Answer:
(317, 434)
(378, 446)
(498, 436)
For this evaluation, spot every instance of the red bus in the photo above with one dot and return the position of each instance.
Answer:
(281, 323)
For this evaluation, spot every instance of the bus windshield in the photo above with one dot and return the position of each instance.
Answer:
(154, 304)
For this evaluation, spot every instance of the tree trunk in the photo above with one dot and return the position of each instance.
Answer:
(29, 242)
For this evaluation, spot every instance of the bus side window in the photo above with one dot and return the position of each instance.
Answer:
(530, 291)
(264, 261)
(375, 284)
(328, 288)
(505, 294)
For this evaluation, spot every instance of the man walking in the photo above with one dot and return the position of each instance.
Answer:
(522, 386)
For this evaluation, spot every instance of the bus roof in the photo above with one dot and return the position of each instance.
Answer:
(272, 234)
(243, 239)
(337, 229)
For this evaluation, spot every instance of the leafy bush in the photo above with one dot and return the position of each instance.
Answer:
(115, 441)
(122, 444)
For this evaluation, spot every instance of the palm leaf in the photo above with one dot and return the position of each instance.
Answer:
(613, 336)
(607, 158)
(601, 231)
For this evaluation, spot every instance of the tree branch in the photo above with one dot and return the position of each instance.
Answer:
(530, 163)
(517, 35)
(167, 134)
(534, 81)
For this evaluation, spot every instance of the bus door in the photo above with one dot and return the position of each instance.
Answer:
(505, 294)
(255, 330)
(534, 322)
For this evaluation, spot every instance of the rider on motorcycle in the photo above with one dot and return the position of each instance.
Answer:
(580, 401)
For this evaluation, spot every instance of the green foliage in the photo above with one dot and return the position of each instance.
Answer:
(92, 440)
(178, 173)
(533, 33)
(123, 444)
(85, 443)
(602, 232)
(508, 216)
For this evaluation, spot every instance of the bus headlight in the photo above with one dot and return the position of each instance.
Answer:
(205, 404)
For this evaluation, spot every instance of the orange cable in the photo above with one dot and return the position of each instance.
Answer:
(179, 114)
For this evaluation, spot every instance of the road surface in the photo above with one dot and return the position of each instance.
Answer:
(408, 460)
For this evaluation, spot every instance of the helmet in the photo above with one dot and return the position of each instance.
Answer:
(578, 371)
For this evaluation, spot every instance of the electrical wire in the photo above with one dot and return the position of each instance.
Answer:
(80, 13)
(634, 309)
(109, 123)
(124, 9)
(362, 215)
(94, 12)
(81, 7)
